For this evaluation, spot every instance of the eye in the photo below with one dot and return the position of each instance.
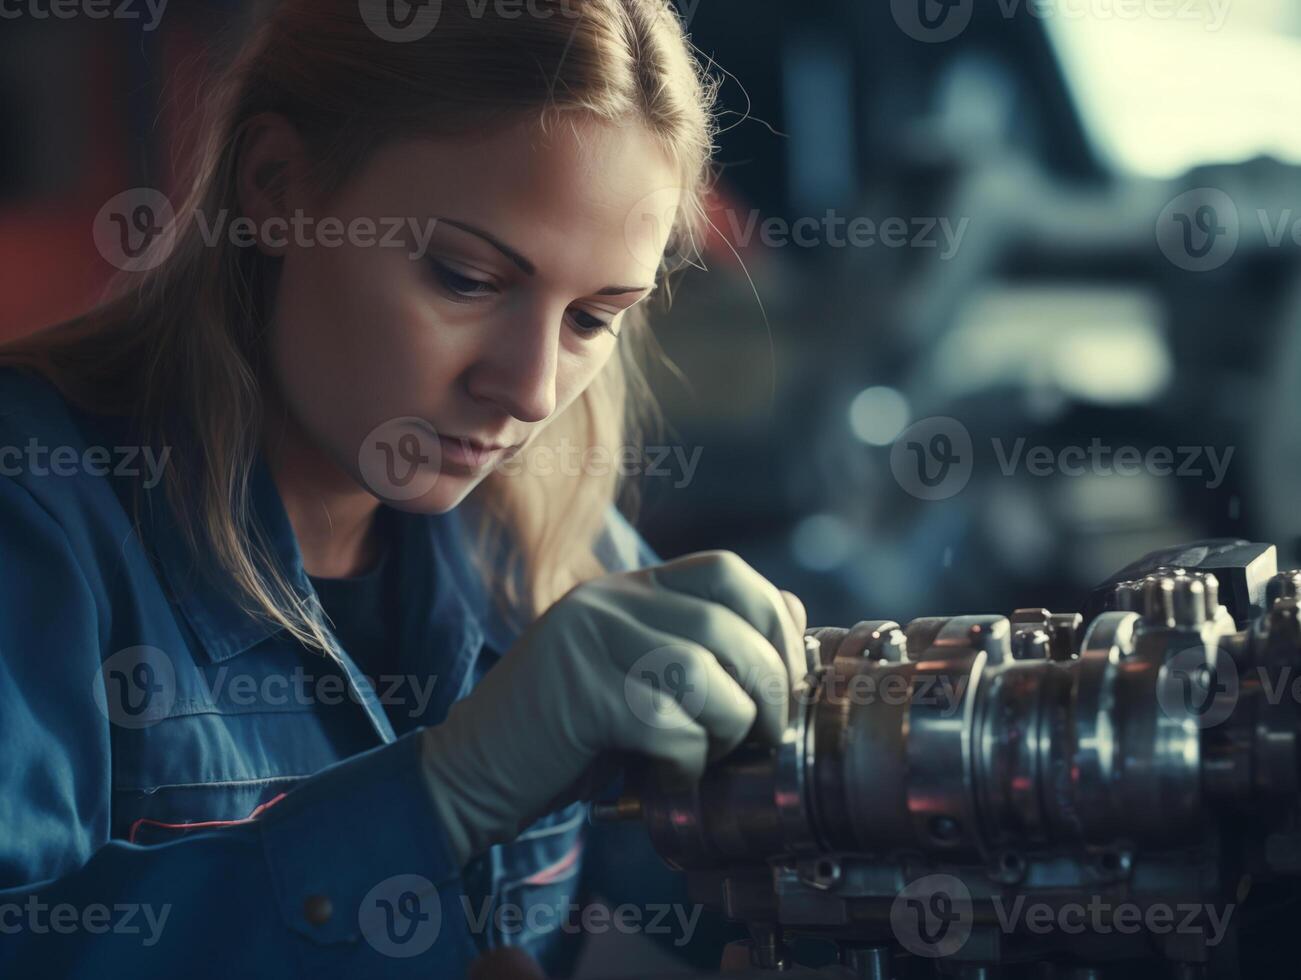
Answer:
(459, 284)
(589, 325)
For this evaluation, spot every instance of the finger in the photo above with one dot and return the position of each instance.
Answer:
(797, 610)
(676, 739)
(800, 617)
(643, 625)
(725, 578)
(689, 676)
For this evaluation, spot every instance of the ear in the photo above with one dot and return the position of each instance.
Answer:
(269, 177)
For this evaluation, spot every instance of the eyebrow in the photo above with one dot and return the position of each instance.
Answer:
(623, 290)
(527, 267)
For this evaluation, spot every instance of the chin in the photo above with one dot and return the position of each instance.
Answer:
(449, 491)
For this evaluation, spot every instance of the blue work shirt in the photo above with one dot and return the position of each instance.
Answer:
(186, 790)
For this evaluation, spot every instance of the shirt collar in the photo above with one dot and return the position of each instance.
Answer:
(435, 550)
(205, 594)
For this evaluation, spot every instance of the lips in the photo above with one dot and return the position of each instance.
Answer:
(479, 445)
(470, 453)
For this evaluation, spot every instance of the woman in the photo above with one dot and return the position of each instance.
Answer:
(249, 719)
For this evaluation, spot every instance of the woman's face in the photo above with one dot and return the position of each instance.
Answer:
(453, 290)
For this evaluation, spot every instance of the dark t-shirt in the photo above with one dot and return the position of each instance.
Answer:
(364, 608)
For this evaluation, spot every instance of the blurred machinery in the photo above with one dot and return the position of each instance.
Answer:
(1098, 795)
(1045, 301)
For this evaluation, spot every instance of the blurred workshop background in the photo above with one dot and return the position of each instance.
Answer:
(1002, 293)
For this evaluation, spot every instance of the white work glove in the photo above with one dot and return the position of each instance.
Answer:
(677, 661)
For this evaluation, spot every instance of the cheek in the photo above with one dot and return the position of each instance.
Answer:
(576, 372)
(325, 308)
(356, 342)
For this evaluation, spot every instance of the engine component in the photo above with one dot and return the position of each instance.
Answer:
(1039, 794)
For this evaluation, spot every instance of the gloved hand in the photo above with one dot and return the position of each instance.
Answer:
(677, 661)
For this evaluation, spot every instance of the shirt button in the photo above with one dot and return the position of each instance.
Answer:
(318, 909)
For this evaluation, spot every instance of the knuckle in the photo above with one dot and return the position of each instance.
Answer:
(729, 565)
(709, 626)
(748, 709)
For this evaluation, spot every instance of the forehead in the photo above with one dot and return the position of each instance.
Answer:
(585, 197)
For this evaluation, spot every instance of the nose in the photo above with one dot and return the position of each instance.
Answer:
(516, 367)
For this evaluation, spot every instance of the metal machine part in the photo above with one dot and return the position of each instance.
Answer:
(1039, 795)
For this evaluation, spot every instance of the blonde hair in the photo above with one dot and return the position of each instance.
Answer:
(180, 347)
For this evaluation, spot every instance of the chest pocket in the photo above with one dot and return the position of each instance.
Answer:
(226, 740)
(532, 898)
